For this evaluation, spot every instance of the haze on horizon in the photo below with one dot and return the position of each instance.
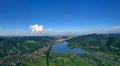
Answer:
(59, 17)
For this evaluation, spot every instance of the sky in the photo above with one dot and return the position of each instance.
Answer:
(52, 17)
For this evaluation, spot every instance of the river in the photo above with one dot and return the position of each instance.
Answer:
(62, 48)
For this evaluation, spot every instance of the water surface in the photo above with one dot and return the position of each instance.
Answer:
(63, 48)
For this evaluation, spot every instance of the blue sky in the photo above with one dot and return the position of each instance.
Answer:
(59, 16)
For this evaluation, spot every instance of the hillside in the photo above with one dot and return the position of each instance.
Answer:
(16, 49)
(107, 45)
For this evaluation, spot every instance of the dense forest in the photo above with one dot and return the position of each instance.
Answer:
(14, 49)
(107, 45)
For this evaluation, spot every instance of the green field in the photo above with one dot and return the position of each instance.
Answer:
(58, 60)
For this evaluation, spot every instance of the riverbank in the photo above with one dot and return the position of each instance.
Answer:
(67, 59)
(41, 53)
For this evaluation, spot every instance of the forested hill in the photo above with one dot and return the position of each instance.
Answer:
(16, 49)
(21, 45)
(105, 44)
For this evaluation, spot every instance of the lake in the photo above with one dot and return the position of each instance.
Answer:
(63, 48)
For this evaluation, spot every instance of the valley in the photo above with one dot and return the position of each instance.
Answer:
(63, 51)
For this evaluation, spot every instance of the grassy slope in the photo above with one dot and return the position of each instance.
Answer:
(59, 60)
(40, 61)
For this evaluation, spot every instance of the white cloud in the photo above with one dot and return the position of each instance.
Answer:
(37, 28)
(115, 29)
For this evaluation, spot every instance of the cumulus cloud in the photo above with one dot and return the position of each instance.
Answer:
(37, 28)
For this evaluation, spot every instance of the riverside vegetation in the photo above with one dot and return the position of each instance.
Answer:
(105, 45)
(100, 50)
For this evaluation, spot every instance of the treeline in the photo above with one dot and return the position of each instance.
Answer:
(105, 43)
(18, 46)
